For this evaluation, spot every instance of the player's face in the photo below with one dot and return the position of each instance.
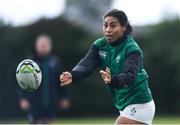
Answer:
(43, 46)
(112, 29)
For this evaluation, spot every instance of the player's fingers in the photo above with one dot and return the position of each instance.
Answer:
(106, 77)
(107, 70)
(63, 80)
(101, 71)
(106, 74)
(63, 83)
(61, 77)
(67, 74)
(102, 74)
(66, 82)
(107, 80)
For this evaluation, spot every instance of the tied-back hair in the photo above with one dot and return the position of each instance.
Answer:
(122, 19)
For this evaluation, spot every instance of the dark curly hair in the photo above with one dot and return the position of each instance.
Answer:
(122, 19)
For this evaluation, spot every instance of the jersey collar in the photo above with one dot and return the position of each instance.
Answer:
(119, 41)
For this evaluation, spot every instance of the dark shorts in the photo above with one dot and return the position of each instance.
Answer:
(40, 113)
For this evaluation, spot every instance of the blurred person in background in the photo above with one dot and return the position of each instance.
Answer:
(121, 61)
(41, 104)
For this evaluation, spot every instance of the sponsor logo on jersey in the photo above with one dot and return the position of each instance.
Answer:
(102, 54)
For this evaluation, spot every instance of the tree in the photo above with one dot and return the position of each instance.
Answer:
(160, 44)
(87, 13)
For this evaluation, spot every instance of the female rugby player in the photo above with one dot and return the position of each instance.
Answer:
(121, 61)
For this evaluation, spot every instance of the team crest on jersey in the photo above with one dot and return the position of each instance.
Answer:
(118, 59)
(133, 111)
(102, 54)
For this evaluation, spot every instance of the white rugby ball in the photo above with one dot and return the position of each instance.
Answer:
(28, 75)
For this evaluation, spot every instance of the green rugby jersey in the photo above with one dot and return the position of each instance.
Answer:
(129, 84)
(114, 57)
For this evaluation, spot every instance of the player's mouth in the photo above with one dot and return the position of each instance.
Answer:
(110, 38)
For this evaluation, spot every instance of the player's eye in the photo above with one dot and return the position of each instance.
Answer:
(105, 25)
(113, 26)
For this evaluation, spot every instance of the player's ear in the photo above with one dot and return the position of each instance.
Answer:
(123, 28)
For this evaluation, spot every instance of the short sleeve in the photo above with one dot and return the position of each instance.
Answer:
(98, 42)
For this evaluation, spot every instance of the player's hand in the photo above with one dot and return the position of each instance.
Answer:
(106, 75)
(65, 78)
(24, 104)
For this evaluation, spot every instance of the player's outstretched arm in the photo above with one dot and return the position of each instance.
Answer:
(87, 65)
(83, 69)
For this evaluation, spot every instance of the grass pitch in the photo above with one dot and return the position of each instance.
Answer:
(97, 120)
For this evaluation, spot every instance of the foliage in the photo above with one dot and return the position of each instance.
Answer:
(160, 44)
